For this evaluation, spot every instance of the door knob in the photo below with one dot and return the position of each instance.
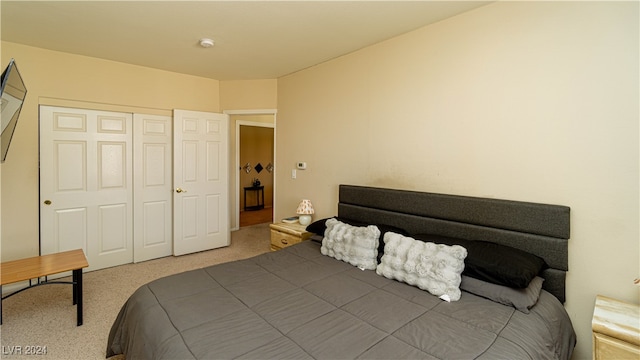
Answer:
(47, 202)
(180, 190)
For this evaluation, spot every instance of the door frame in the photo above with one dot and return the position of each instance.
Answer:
(239, 123)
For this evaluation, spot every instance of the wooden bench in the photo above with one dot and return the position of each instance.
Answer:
(43, 266)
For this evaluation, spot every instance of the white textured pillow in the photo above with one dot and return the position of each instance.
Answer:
(435, 268)
(355, 245)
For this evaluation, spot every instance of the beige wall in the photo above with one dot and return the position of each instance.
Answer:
(533, 101)
(59, 79)
(248, 94)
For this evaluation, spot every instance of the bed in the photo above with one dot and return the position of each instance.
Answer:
(314, 301)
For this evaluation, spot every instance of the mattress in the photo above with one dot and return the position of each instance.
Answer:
(299, 304)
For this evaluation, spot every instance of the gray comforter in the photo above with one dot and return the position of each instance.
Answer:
(298, 304)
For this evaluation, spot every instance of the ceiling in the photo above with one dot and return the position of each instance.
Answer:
(253, 39)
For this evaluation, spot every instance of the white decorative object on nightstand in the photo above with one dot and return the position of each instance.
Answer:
(305, 210)
(616, 329)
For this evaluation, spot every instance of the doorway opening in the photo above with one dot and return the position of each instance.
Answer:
(256, 174)
(254, 160)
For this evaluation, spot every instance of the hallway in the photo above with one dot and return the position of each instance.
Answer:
(261, 216)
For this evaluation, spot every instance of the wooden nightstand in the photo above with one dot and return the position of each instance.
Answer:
(283, 235)
(616, 329)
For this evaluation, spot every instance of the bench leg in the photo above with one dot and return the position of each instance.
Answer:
(77, 293)
(74, 281)
(0, 304)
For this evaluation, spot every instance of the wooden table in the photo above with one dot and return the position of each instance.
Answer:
(259, 190)
(43, 266)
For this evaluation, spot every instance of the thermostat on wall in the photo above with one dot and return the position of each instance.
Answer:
(301, 165)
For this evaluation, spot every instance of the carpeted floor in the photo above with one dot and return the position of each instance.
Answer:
(45, 317)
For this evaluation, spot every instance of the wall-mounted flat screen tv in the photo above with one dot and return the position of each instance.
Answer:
(12, 94)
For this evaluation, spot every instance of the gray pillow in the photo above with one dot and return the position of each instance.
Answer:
(356, 245)
(435, 268)
(521, 299)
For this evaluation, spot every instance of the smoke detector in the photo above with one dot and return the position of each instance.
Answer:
(206, 43)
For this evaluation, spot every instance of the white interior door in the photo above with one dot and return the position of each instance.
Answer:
(200, 178)
(86, 184)
(152, 184)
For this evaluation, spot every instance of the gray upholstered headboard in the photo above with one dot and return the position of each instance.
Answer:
(540, 229)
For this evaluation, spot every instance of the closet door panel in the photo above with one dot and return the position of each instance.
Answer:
(86, 184)
(153, 200)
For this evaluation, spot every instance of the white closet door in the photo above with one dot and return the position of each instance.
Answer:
(152, 136)
(86, 184)
(201, 181)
